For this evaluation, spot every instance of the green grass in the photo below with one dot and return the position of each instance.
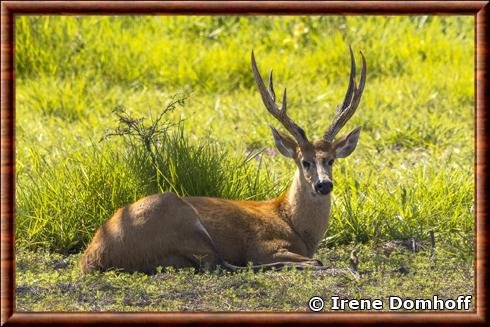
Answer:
(413, 170)
(53, 282)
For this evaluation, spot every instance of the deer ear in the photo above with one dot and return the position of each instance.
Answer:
(285, 144)
(346, 145)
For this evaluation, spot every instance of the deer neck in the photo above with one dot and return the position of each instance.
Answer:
(308, 212)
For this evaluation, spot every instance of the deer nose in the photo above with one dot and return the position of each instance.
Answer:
(324, 187)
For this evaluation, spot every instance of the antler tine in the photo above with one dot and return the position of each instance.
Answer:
(351, 100)
(269, 97)
(352, 82)
(271, 88)
(362, 82)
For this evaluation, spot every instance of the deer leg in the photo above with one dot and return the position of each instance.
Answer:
(284, 259)
(286, 256)
(195, 245)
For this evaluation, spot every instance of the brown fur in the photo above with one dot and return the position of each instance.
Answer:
(165, 230)
(156, 230)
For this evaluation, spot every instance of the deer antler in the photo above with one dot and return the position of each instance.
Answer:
(269, 99)
(351, 100)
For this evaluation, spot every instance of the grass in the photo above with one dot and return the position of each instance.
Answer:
(413, 171)
(53, 281)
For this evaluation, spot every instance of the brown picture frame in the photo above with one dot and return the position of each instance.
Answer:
(11, 9)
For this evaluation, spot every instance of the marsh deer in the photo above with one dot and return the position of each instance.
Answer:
(166, 230)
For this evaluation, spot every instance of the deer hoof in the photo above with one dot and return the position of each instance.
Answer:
(315, 262)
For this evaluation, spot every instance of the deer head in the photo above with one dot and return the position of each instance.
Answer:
(315, 159)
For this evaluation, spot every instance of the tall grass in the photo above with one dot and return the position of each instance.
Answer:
(412, 171)
(66, 201)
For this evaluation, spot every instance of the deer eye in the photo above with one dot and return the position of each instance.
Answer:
(306, 164)
(330, 162)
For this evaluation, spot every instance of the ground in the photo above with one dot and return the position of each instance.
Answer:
(54, 281)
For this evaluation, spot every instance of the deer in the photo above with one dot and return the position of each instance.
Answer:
(208, 233)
